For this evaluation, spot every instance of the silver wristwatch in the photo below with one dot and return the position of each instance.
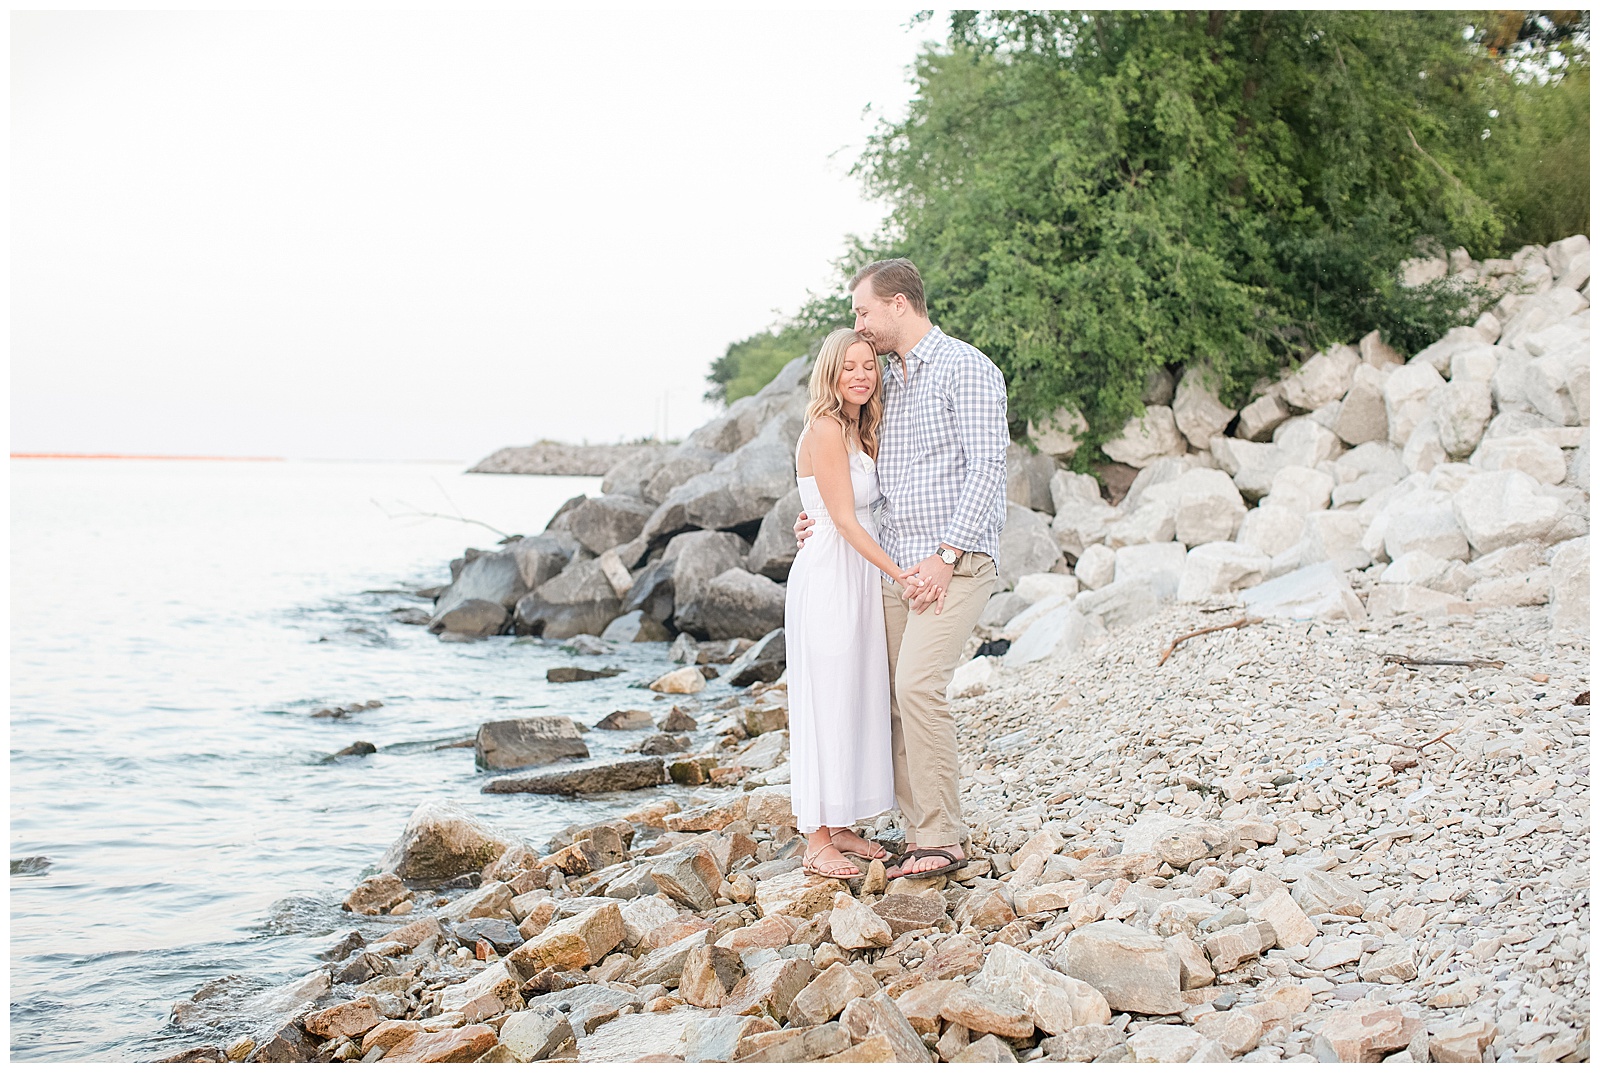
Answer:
(949, 555)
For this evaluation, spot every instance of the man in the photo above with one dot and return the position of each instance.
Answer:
(942, 471)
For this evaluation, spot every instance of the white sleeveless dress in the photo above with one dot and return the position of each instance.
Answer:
(841, 769)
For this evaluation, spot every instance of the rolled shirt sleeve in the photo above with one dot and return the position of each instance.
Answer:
(980, 415)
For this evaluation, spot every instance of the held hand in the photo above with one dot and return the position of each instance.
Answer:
(802, 530)
(935, 574)
(928, 596)
(907, 577)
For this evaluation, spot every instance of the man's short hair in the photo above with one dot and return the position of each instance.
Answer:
(890, 278)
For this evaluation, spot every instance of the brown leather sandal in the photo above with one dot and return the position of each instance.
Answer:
(955, 865)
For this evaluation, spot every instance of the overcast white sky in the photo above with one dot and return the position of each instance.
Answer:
(424, 235)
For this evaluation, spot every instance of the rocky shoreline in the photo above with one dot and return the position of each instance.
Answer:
(1275, 748)
(1284, 843)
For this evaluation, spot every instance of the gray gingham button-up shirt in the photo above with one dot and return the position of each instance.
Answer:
(942, 451)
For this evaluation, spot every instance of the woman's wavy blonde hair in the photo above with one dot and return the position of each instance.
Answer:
(826, 401)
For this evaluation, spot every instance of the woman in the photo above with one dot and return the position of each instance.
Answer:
(841, 771)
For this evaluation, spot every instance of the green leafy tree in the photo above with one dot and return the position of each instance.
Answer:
(1091, 195)
(1541, 172)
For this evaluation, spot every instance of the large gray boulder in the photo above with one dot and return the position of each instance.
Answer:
(685, 461)
(1027, 478)
(540, 558)
(578, 600)
(630, 476)
(1026, 546)
(784, 398)
(441, 841)
(651, 593)
(773, 552)
(492, 577)
(602, 523)
(472, 618)
(539, 739)
(737, 493)
(690, 560)
(763, 661)
(735, 603)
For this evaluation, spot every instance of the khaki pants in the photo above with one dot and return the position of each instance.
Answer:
(923, 650)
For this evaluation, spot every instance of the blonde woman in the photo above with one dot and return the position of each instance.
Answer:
(840, 758)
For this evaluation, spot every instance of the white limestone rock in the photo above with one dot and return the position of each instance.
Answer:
(1159, 564)
(1557, 385)
(1540, 312)
(1220, 568)
(973, 677)
(1145, 438)
(1271, 530)
(1317, 591)
(1156, 521)
(1569, 586)
(1323, 379)
(1423, 521)
(1461, 411)
(1405, 397)
(1057, 634)
(1197, 411)
(1376, 353)
(1499, 509)
(1475, 363)
(1097, 567)
(1532, 455)
(1300, 488)
(1027, 546)
(1210, 507)
(1059, 434)
(1424, 448)
(1363, 417)
(1438, 355)
(1261, 416)
(1082, 516)
(1387, 601)
(1429, 571)
(1519, 590)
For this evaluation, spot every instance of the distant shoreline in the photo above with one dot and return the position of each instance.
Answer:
(548, 458)
(73, 456)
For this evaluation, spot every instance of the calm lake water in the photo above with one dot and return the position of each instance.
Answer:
(173, 627)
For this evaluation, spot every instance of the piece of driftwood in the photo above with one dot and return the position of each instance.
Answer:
(1178, 640)
(1431, 741)
(1409, 661)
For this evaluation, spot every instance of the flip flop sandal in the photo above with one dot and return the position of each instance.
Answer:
(809, 867)
(955, 865)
